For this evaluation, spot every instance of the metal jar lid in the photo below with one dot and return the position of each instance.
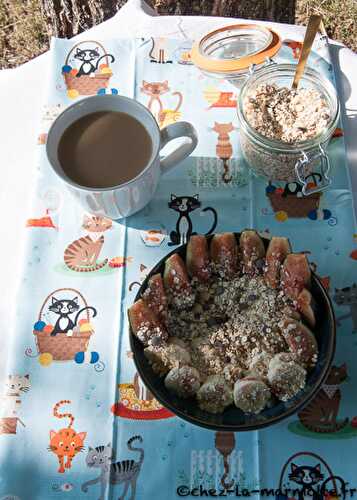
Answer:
(229, 52)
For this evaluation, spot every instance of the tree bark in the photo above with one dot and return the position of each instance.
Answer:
(67, 18)
(272, 10)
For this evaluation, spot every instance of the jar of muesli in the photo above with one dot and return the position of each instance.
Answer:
(284, 133)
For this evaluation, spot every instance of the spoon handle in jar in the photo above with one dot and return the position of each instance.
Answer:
(311, 30)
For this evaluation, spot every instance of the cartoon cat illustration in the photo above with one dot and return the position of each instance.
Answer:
(225, 443)
(320, 415)
(124, 472)
(309, 478)
(157, 52)
(224, 149)
(66, 442)
(64, 308)
(184, 205)
(88, 56)
(347, 297)
(155, 90)
(82, 255)
(10, 402)
(142, 276)
(50, 113)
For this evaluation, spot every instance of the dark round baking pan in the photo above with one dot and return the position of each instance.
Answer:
(233, 419)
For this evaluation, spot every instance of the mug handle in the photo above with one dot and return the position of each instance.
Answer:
(174, 131)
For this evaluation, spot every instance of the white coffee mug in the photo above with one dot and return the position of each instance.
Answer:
(127, 198)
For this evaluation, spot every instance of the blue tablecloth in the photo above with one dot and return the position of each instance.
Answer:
(90, 375)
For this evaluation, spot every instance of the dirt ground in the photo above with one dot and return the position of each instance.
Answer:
(25, 27)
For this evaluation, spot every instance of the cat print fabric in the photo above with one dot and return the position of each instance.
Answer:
(63, 309)
(89, 60)
(87, 69)
(10, 402)
(321, 414)
(158, 52)
(76, 420)
(308, 475)
(156, 91)
(125, 472)
(184, 205)
(82, 255)
(66, 442)
(347, 296)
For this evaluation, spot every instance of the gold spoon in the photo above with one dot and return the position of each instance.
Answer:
(311, 30)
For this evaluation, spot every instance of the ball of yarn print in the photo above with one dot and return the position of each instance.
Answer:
(45, 359)
(102, 66)
(72, 93)
(86, 357)
(82, 321)
(74, 71)
(106, 71)
(86, 327)
(320, 214)
(66, 68)
(270, 189)
(39, 326)
(281, 216)
(104, 91)
(48, 329)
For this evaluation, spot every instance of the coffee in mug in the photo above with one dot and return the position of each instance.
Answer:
(104, 149)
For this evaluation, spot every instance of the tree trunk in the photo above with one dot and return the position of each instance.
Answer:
(67, 18)
(271, 10)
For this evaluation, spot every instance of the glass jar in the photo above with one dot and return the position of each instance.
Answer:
(281, 161)
(230, 51)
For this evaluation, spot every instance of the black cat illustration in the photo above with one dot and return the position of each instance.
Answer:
(310, 479)
(347, 297)
(158, 51)
(64, 308)
(295, 188)
(184, 205)
(310, 482)
(88, 56)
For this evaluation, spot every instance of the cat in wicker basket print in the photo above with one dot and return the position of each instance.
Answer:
(90, 59)
(64, 308)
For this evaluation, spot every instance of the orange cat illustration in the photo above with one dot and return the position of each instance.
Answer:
(155, 90)
(224, 149)
(65, 443)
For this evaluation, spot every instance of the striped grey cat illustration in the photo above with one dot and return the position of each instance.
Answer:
(124, 472)
(347, 297)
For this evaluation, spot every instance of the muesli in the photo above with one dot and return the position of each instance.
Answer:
(231, 325)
